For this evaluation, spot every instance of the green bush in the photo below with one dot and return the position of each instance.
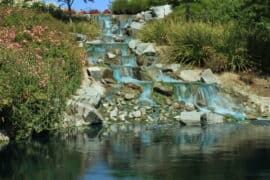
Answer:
(90, 29)
(40, 67)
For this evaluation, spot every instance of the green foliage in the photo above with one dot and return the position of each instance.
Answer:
(40, 67)
(90, 29)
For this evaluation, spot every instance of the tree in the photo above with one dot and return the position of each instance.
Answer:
(69, 4)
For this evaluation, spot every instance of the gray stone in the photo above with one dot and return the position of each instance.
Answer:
(161, 11)
(114, 113)
(111, 55)
(88, 113)
(123, 116)
(172, 68)
(189, 107)
(190, 75)
(136, 25)
(150, 50)
(208, 76)
(133, 44)
(211, 118)
(136, 114)
(191, 118)
(129, 96)
(164, 90)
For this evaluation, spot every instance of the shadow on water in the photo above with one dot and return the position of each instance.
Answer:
(132, 151)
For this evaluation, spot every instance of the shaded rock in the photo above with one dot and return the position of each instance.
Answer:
(99, 72)
(80, 37)
(134, 86)
(110, 80)
(138, 17)
(123, 116)
(140, 60)
(208, 76)
(164, 90)
(190, 75)
(129, 96)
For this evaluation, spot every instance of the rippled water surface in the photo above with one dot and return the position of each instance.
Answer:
(230, 151)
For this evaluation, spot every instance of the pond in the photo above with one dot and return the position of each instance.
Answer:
(136, 151)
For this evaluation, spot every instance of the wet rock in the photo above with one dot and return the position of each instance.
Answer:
(136, 25)
(140, 60)
(189, 107)
(164, 90)
(134, 86)
(129, 96)
(190, 75)
(161, 11)
(208, 76)
(191, 118)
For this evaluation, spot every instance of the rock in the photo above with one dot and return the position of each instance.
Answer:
(3, 136)
(123, 116)
(95, 72)
(138, 17)
(150, 50)
(164, 90)
(190, 75)
(161, 11)
(171, 68)
(88, 113)
(80, 44)
(147, 15)
(111, 55)
(136, 114)
(208, 77)
(133, 44)
(136, 25)
(189, 107)
(211, 118)
(110, 80)
(191, 118)
(117, 52)
(81, 37)
(129, 96)
(114, 113)
(140, 60)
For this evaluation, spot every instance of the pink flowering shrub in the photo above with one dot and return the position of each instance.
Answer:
(40, 66)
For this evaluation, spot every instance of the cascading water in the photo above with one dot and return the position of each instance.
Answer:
(207, 97)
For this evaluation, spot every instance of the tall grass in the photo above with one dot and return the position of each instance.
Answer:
(90, 29)
(199, 43)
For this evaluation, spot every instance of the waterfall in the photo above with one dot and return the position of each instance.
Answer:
(207, 97)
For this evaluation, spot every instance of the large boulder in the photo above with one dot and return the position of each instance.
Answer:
(190, 118)
(145, 48)
(161, 11)
(208, 77)
(211, 118)
(190, 75)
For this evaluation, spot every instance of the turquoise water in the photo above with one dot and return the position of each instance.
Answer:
(230, 151)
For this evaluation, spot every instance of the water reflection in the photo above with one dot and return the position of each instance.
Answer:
(133, 151)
